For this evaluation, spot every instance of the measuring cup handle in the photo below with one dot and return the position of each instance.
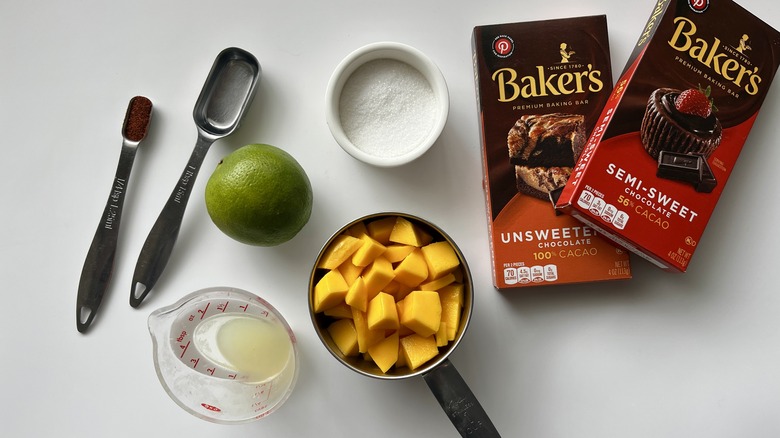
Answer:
(459, 402)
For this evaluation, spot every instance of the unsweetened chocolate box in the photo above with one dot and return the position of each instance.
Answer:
(540, 89)
(667, 140)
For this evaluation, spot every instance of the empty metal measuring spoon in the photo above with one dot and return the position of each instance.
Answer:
(99, 264)
(228, 91)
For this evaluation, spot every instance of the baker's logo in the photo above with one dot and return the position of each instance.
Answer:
(742, 46)
(503, 46)
(698, 6)
(566, 53)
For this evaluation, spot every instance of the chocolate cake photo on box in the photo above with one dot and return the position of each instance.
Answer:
(544, 148)
(680, 130)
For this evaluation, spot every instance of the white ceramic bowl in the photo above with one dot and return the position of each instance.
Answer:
(392, 51)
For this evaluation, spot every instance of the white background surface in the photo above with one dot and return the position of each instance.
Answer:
(662, 355)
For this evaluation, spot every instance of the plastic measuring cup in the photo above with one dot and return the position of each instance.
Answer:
(224, 355)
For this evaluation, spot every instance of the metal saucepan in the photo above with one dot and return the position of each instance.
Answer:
(449, 388)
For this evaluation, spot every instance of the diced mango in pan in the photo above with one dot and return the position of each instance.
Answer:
(344, 336)
(405, 232)
(412, 270)
(417, 350)
(422, 312)
(380, 229)
(402, 329)
(370, 250)
(441, 335)
(341, 310)
(357, 295)
(402, 292)
(358, 229)
(452, 292)
(365, 337)
(377, 275)
(451, 297)
(342, 247)
(396, 252)
(350, 272)
(441, 258)
(382, 314)
(385, 352)
(329, 291)
(437, 283)
(392, 287)
(400, 362)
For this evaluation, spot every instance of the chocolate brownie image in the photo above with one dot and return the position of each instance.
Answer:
(680, 121)
(544, 149)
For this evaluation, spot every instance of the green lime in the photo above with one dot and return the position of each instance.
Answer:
(259, 195)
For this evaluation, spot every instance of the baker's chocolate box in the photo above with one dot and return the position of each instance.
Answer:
(540, 89)
(667, 140)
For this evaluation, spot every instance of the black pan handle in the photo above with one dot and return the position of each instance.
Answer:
(460, 404)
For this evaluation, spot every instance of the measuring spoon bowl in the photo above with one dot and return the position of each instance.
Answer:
(228, 91)
(224, 355)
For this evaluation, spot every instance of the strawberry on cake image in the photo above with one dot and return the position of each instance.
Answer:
(680, 121)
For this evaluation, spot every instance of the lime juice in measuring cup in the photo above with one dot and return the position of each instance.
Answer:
(224, 355)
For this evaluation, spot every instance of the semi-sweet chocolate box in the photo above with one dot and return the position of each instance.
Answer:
(540, 88)
(667, 140)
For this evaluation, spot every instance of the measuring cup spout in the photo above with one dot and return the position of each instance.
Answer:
(459, 403)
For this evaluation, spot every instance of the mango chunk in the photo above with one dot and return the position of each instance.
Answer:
(441, 335)
(396, 252)
(380, 229)
(329, 291)
(342, 247)
(365, 337)
(402, 329)
(382, 313)
(357, 295)
(405, 232)
(417, 350)
(350, 272)
(412, 270)
(441, 258)
(378, 275)
(357, 230)
(422, 312)
(385, 352)
(344, 336)
(437, 283)
(451, 297)
(341, 310)
(370, 250)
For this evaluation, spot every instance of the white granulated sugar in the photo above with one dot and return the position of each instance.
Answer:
(387, 108)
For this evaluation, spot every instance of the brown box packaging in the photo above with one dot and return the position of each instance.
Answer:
(540, 89)
(669, 137)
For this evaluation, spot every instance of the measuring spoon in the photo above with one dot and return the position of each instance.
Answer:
(228, 91)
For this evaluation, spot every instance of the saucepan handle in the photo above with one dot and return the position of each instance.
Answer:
(459, 402)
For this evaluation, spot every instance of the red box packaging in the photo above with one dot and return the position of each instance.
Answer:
(540, 89)
(669, 137)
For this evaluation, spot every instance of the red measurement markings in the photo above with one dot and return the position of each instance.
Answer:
(211, 371)
(245, 306)
(194, 362)
(222, 307)
(184, 349)
(204, 310)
